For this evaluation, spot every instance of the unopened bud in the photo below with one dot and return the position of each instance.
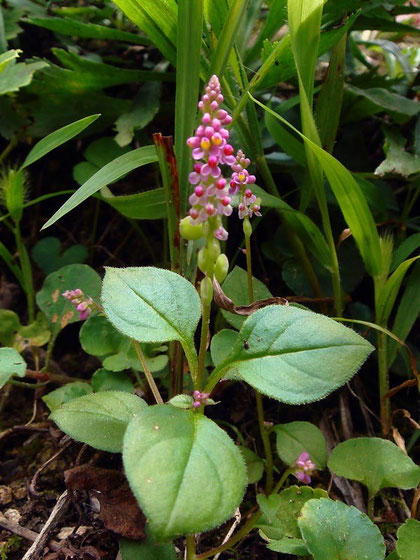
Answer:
(190, 231)
(247, 227)
(221, 268)
(206, 291)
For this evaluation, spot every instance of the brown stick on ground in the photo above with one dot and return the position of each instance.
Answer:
(27, 534)
(59, 509)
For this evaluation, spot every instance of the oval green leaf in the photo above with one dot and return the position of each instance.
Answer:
(11, 363)
(334, 531)
(294, 355)
(408, 545)
(99, 419)
(377, 463)
(185, 471)
(151, 304)
(296, 437)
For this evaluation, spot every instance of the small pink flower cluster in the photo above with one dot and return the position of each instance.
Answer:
(304, 467)
(248, 202)
(83, 304)
(210, 143)
(200, 398)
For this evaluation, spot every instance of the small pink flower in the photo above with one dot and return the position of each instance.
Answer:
(304, 467)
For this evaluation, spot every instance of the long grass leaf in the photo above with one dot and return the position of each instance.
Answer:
(350, 198)
(190, 26)
(57, 138)
(108, 174)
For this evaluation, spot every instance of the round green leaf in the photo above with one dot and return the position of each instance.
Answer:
(99, 419)
(11, 363)
(334, 531)
(151, 304)
(47, 254)
(185, 471)
(377, 463)
(60, 311)
(408, 545)
(296, 437)
(281, 512)
(295, 355)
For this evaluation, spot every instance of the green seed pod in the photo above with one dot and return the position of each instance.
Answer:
(206, 291)
(12, 184)
(202, 259)
(213, 248)
(190, 231)
(221, 268)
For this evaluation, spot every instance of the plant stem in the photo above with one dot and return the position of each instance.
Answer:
(25, 265)
(282, 480)
(260, 408)
(147, 372)
(50, 347)
(190, 546)
(13, 142)
(371, 505)
(383, 381)
(203, 343)
(247, 528)
(266, 443)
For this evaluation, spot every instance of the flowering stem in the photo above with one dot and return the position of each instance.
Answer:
(282, 480)
(25, 265)
(147, 372)
(260, 408)
(190, 547)
(203, 343)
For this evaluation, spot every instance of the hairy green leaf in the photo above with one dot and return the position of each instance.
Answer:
(11, 363)
(200, 455)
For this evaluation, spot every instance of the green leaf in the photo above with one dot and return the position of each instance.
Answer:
(401, 107)
(296, 437)
(12, 333)
(99, 338)
(188, 57)
(398, 161)
(236, 288)
(48, 256)
(99, 419)
(18, 75)
(108, 174)
(104, 380)
(376, 463)
(350, 198)
(203, 461)
(149, 550)
(404, 250)
(158, 19)
(281, 512)
(57, 138)
(60, 311)
(86, 30)
(11, 363)
(148, 205)
(334, 531)
(408, 544)
(389, 292)
(294, 355)
(7, 57)
(254, 465)
(66, 393)
(407, 314)
(144, 108)
(288, 545)
(151, 304)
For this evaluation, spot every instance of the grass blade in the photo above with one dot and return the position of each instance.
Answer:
(57, 138)
(189, 40)
(108, 174)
